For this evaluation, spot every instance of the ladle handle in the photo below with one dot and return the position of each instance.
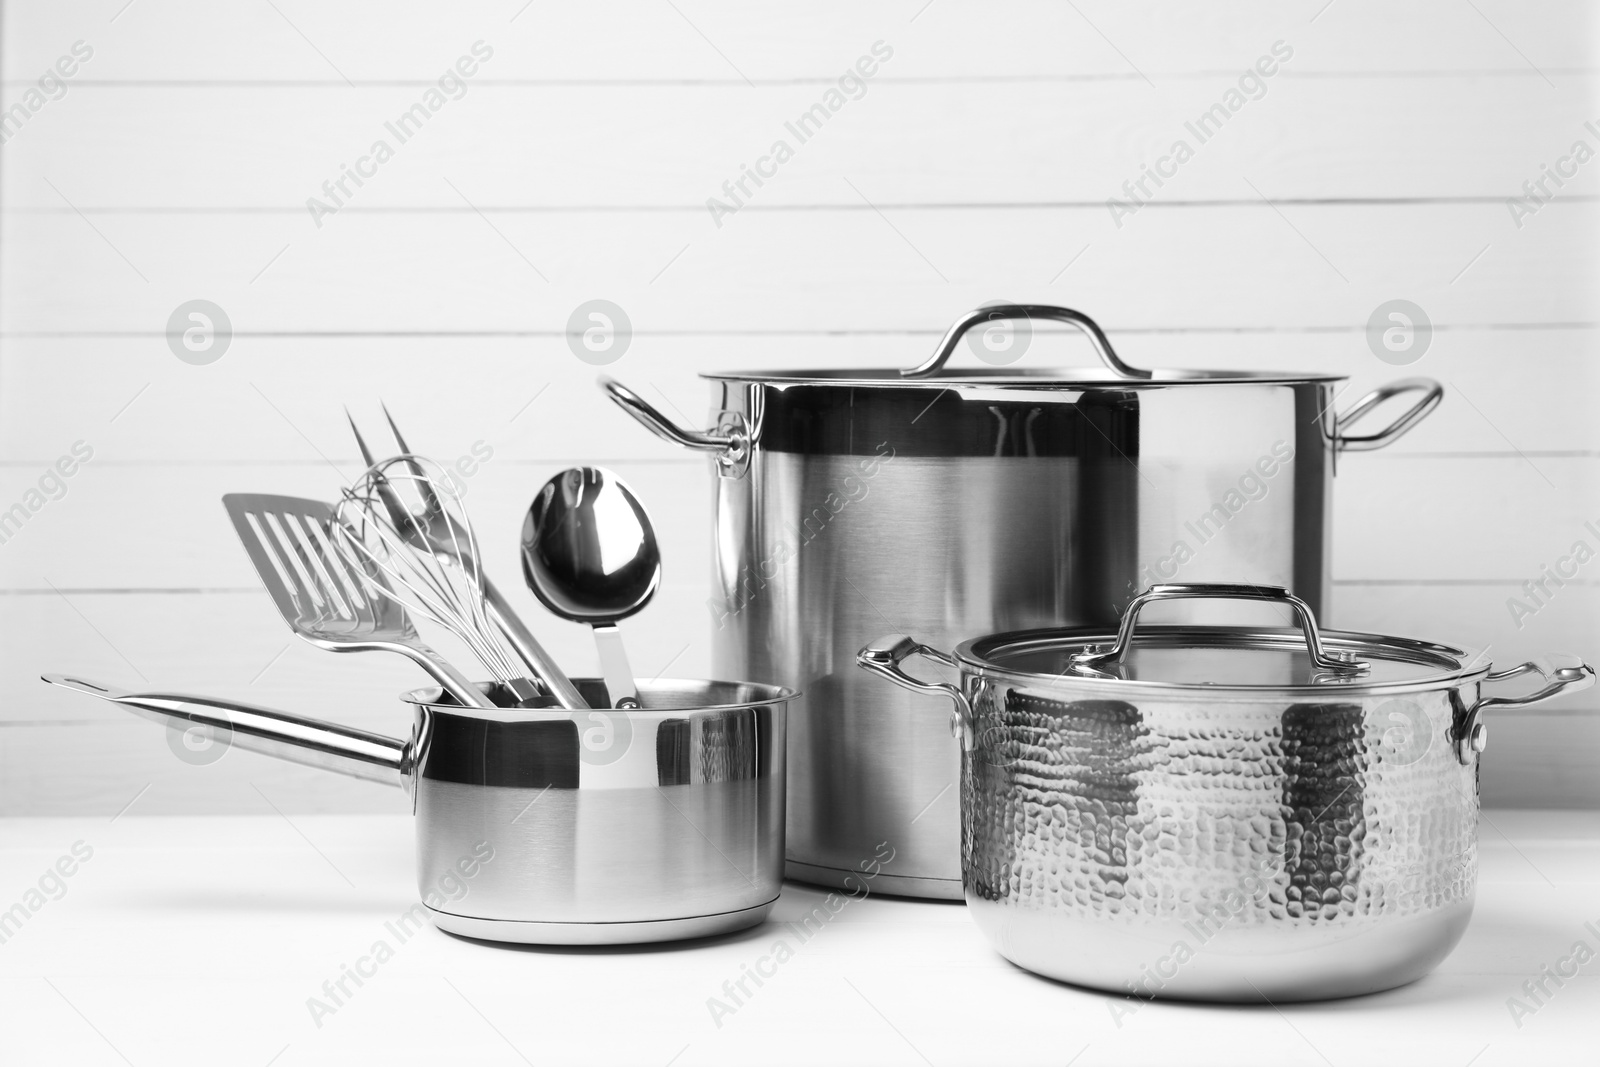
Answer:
(614, 666)
(531, 651)
(309, 742)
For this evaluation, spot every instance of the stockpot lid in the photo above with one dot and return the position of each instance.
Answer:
(1095, 415)
(1302, 660)
(932, 373)
(1020, 378)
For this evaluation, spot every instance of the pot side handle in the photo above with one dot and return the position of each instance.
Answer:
(1432, 393)
(310, 742)
(1568, 676)
(728, 447)
(884, 656)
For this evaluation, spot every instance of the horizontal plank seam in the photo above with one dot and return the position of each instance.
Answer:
(1438, 327)
(696, 461)
(230, 590)
(742, 84)
(121, 723)
(762, 209)
(1409, 583)
(1554, 453)
(318, 464)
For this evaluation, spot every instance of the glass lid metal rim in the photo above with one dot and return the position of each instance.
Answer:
(1322, 691)
(988, 655)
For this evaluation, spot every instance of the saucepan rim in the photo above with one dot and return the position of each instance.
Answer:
(433, 698)
(1019, 378)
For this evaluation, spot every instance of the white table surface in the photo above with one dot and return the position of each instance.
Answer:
(199, 940)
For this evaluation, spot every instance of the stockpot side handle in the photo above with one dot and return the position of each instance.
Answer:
(1432, 393)
(884, 656)
(1095, 656)
(310, 742)
(1001, 312)
(731, 444)
(1570, 675)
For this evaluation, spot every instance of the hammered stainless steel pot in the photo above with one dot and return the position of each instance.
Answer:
(1220, 813)
(560, 827)
(1031, 498)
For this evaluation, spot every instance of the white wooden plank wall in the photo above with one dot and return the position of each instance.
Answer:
(177, 160)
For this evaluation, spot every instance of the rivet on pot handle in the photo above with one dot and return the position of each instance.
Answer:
(884, 657)
(731, 448)
(1327, 659)
(1432, 393)
(1001, 312)
(1566, 678)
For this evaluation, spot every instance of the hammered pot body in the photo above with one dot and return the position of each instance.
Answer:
(949, 512)
(1220, 849)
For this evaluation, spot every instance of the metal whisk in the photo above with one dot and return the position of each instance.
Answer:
(446, 587)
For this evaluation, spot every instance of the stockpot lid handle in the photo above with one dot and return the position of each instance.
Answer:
(1001, 312)
(1095, 656)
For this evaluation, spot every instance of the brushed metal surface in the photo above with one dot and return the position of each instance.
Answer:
(1065, 504)
(596, 818)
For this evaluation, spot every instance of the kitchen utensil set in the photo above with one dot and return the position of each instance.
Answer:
(1302, 803)
(440, 581)
(428, 525)
(328, 599)
(350, 577)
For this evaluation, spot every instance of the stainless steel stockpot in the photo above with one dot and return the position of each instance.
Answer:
(1032, 498)
(599, 826)
(1220, 813)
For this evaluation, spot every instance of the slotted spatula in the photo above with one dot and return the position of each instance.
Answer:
(317, 594)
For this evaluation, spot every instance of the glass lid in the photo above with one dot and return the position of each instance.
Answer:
(1232, 657)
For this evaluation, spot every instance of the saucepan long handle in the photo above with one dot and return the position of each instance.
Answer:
(272, 733)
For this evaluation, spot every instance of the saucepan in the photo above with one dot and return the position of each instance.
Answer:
(1220, 812)
(553, 826)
